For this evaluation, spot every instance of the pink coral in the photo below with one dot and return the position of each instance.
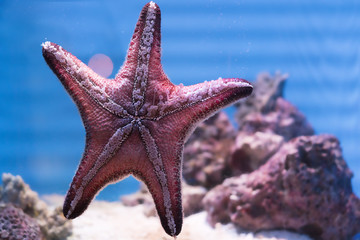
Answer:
(16, 225)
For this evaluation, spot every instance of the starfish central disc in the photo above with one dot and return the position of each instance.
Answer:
(138, 122)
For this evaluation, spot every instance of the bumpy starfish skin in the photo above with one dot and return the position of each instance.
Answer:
(138, 122)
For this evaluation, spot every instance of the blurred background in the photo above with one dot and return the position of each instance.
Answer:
(41, 133)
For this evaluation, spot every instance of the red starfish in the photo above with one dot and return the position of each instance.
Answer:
(138, 122)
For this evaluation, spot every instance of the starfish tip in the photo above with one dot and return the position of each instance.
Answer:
(45, 44)
(247, 87)
(153, 5)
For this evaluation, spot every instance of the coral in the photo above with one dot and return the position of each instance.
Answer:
(285, 120)
(192, 199)
(216, 150)
(207, 151)
(16, 192)
(253, 150)
(54, 225)
(266, 121)
(267, 111)
(305, 186)
(267, 90)
(16, 225)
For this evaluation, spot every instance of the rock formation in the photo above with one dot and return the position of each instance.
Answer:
(208, 150)
(305, 186)
(276, 173)
(266, 110)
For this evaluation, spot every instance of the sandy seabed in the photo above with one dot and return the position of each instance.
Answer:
(113, 221)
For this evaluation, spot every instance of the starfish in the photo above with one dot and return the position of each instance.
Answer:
(138, 122)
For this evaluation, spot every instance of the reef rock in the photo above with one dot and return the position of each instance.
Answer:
(15, 192)
(266, 121)
(305, 186)
(253, 150)
(191, 196)
(16, 225)
(192, 199)
(141, 197)
(207, 151)
(267, 111)
(266, 91)
(285, 120)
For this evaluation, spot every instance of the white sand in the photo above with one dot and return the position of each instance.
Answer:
(113, 221)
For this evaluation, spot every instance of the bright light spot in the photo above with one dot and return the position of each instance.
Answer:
(101, 64)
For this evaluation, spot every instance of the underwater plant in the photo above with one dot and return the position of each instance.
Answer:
(138, 122)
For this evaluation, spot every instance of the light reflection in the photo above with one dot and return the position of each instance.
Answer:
(101, 64)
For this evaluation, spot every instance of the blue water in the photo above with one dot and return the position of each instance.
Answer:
(316, 42)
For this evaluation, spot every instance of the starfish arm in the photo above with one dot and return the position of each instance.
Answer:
(145, 44)
(208, 98)
(166, 186)
(199, 101)
(79, 80)
(142, 67)
(96, 170)
(121, 156)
